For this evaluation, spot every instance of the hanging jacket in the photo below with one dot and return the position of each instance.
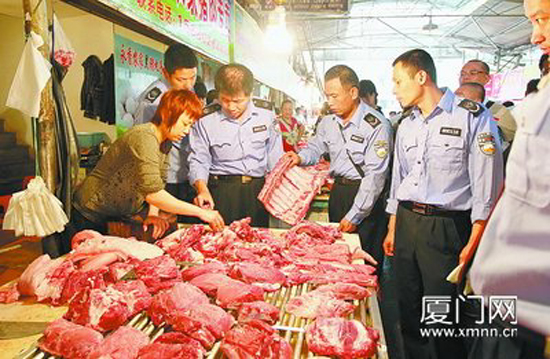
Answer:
(91, 95)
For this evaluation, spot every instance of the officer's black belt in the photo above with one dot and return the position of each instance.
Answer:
(235, 178)
(430, 210)
(346, 181)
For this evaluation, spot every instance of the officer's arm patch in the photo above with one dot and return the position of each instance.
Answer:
(372, 120)
(473, 107)
(267, 105)
(210, 109)
(486, 142)
(153, 94)
(381, 148)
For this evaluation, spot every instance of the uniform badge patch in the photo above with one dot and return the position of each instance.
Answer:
(357, 139)
(153, 94)
(381, 148)
(486, 142)
(471, 106)
(372, 120)
(450, 131)
(261, 128)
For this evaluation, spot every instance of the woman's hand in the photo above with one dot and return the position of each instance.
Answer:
(160, 225)
(213, 218)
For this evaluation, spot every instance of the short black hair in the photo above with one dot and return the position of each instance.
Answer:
(485, 66)
(234, 78)
(347, 76)
(211, 96)
(200, 89)
(542, 61)
(532, 86)
(480, 89)
(418, 60)
(179, 56)
(366, 87)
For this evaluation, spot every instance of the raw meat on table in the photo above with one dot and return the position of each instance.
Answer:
(179, 245)
(210, 282)
(210, 244)
(346, 339)
(344, 291)
(124, 343)
(307, 233)
(9, 294)
(205, 323)
(68, 340)
(173, 345)
(109, 308)
(158, 273)
(288, 192)
(212, 266)
(255, 340)
(95, 243)
(175, 299)
(311, 305)
(45, 278)
(232, 294)
(259, 310)
(268, 278)
(79, 281)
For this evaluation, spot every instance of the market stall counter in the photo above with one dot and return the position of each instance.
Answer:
(295, 304)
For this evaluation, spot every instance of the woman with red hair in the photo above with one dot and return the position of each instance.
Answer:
(133, 171)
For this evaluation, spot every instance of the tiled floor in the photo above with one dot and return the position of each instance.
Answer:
(16, 256)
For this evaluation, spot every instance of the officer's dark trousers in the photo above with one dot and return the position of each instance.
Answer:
(185, 192)
(525, 344)
(427, 248)
(373, 228)
(236, 200)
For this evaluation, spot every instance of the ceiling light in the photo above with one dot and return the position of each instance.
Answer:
(430, 26)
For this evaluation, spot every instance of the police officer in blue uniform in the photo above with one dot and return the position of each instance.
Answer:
(446, 175)
(359, 140)
(233, 146)
(180, 73)
(514, 253)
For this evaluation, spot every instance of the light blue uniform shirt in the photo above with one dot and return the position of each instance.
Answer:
(451, 159)
(224, 146)
(369, 143)
(513, 258)
(148, 102)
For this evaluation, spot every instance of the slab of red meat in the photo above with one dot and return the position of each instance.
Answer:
(344, 291)
(79, 281)
(315, 305)
(96, 243)
(267, 254)
(360, 274)
(322, 252)
(179, 245)
(255, 340)
(169, 351)
(212, 266)
(210, 282)
(68, 340)
(175, 299)
(288, 191)
(124, 343)
(232, 294)
(210, 244)
(243, 230)
(347, 339)
(174, 345)
(268, 278)
(158, 273)
(108, 309)
(205, 323)
(120, 269)
(259, 310)
(9, 294)
(310, 233)
(45, 278)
